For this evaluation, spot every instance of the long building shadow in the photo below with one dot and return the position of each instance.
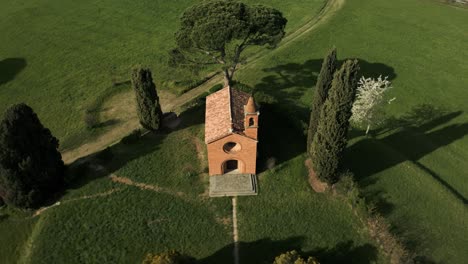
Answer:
(9, 68)
(283, 121)
(416, 135)
(281, 137)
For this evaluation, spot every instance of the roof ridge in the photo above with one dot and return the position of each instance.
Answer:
(230, 107)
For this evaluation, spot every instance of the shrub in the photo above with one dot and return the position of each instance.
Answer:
(216, 88)
(242, 86)
(293, 257)
(378, 227)
(347, 188)
(170, 257)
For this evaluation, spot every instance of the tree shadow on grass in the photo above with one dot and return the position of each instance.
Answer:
(114, 157)
(109, 123)
(283, 122)
(346, 252)
(256, 252)
(109, 160)
(9, 68)
(304, 76)
(410, 138)
(266, 250)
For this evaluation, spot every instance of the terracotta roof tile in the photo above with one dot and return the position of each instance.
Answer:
(224, 113)
(238, 101)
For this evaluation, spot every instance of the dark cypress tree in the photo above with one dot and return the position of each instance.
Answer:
(322, 87)
(331, 137)
(31, 167)
(149, 109)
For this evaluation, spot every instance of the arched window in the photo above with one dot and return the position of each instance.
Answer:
(231, 147)
(251, 121)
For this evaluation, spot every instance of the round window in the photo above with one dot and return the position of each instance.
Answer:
(231, 147)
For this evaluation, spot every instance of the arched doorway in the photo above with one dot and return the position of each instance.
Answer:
(232, 167)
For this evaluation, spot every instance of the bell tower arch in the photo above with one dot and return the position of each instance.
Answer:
(251, 119)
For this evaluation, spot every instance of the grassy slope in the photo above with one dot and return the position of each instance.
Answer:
(428, 70)
(129, 223)
(15, 228)
(414, 171)
(61, 56)
(287, 214)
(67, 52)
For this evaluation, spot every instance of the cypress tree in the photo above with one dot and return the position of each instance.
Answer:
(149, 109)
(322, 87)
(31, 167)
(331, 137)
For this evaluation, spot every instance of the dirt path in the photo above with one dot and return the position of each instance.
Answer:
(235, 232)
(328, 10)
(117, 179)
(144, 186)
(121, 107)
(85, 197)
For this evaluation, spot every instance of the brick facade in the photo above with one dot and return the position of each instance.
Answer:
(246, 156)
(231, 132)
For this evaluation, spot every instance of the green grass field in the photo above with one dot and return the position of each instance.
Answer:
(287, 214)
(62, 56)
(103, 221)
(415, 167)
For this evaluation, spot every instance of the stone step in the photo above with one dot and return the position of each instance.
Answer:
(233, 185)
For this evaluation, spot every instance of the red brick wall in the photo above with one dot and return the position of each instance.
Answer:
(247, 156)
(251, 131)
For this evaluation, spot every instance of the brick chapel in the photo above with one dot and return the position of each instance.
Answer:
(231, 132)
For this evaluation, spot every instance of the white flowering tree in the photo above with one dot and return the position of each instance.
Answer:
(369, 96)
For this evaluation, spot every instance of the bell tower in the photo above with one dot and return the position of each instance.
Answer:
(251, 119)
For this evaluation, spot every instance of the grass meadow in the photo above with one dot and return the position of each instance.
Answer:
(62, 57)
(413, 167)
(100, 220)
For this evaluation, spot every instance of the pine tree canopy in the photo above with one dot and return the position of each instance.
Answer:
(217, 32)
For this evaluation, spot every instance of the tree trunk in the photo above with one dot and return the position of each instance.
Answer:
(227, 78)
